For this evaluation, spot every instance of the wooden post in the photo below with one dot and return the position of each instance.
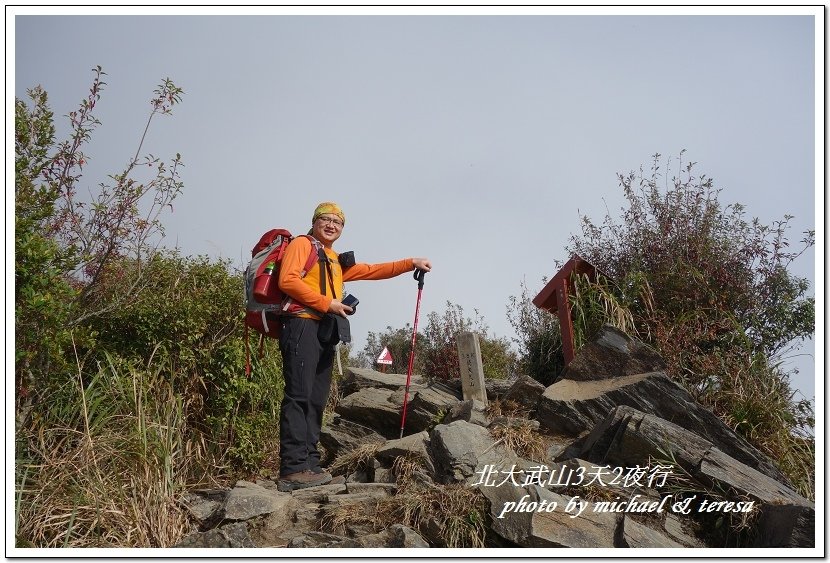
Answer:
(472, 370)
(566, 325)
(554, 297)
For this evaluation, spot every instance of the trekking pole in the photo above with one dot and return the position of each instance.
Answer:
(419, 276)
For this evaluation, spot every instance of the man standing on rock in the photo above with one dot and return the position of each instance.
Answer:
(309, 336)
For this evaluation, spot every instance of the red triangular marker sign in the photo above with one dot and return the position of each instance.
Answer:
(385, 357)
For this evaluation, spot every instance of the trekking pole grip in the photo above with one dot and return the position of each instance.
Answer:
(419, 277)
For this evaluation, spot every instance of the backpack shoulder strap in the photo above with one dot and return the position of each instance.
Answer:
(318, 254)
(315, 255)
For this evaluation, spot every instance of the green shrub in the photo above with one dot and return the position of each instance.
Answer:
(436, 349)
(189, 318)
(43, 294)
(129, 361)
(711, 291)
(538, 337)
(440, 347)
(64, 244)
(399, 343)
(719, 278)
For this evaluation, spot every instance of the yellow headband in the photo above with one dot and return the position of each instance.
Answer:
(330, 208)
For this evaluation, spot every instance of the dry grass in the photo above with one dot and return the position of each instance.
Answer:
(456, 511)
(93, 494)
(595, 303)
(337, 517)
(522, 439)
(519, 435)
(506, 408)
(355, 459)
(756, 401)
(404, 467)
(111, 475)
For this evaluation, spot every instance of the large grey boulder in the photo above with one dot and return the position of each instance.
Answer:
(512, 525)
(786, 518)
(314, 538)
(248, 500)
(378, 409)
(469, 411)
(356, 379)
(636, 535)
(205, 506)
(495, 388)
(535, 517)
(525, 392)
(395, 536)
(237, 534)
(207, 539)
(681, 531)
(428, 407)
(416, 445)
(232, 535)
(560, 528)
(460, 449)
(318, 494)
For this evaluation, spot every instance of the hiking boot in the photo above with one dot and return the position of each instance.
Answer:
(302, 480)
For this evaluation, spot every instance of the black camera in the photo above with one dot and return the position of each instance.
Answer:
(351, 301)
(346, 259)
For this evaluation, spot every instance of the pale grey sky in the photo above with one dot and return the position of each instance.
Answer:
(474, 140)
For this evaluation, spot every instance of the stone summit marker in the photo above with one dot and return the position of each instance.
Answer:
(472, 371)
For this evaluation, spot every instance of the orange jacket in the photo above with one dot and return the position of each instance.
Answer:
(306, 290)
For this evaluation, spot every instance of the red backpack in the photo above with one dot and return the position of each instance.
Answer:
(264, 300)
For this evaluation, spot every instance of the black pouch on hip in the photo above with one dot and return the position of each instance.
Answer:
(344, 329)
(333, 329)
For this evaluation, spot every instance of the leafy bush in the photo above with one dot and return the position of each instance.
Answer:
(440, 348)
(719, 278)
(43, 295)
(65, 244)
(189, 319)
(399, 343)
(129, 361)
(436, 353)
(538, 337)
(711, 291)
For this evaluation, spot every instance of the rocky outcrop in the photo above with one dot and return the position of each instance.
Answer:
(612, 354)
(576, 406)
(630, 461)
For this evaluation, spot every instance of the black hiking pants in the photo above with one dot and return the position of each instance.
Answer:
(307, 372)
